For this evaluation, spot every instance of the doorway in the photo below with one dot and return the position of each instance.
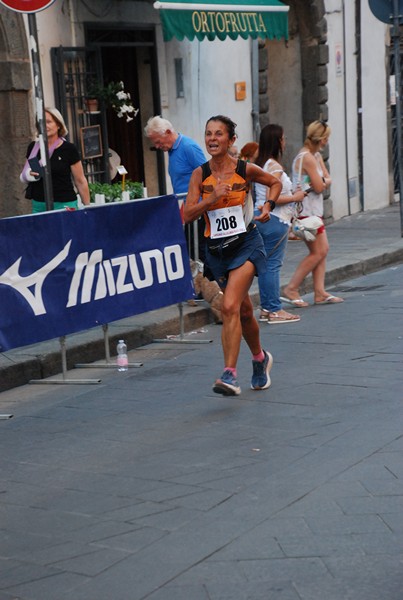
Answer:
(129, 54)
(120, 63)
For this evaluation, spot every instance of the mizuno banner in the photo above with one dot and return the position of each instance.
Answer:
(62, 272)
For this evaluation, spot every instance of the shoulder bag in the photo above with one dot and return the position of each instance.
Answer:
(307, 228)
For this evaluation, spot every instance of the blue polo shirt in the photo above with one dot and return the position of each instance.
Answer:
(184, 157)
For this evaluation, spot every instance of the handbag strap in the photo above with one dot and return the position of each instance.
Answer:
(34, 150)
(301, 160)
(278, 243)
(298, 206)
(24, 176)
(53, 147)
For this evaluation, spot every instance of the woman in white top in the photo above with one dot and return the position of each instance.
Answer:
(275, 231)
(309, 171)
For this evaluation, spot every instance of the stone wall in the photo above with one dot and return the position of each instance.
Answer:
(15, 124)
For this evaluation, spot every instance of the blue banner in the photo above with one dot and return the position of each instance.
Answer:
(63, 272)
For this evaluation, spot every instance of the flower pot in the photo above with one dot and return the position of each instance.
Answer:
(99, 198)
(92, 105)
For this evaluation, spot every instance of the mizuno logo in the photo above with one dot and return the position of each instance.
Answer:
(36, 280)
(94, 278)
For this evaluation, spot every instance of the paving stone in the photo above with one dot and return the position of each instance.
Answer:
(365, 568)
(56, 552)
(22, 576)
(167, 520)
(278, 570)
(252, 591)
(340, 489)
(8, 564)
(132, 541)
(40, 522)
(53, 587)
(4, 595)
(371, 505)
(14, 544)
(255, 544)
(312, 504)
(338, 589)
(393, 487)
(140, 509)
(320, 545)
(393, 521)
(186, 592)
(174, 492)
(346, 524)
(380, 543)
(91, 563)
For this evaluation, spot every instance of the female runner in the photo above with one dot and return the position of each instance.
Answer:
(234, 248)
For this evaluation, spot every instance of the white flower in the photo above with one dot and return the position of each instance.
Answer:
(115, 96)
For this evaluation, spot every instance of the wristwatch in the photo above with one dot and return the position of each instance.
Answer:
(272, 204)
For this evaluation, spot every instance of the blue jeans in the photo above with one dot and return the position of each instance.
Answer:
(269, 282)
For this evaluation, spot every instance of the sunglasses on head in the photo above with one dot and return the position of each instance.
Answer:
(324, 125)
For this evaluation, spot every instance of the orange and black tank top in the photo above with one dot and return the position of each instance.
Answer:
(237, 196)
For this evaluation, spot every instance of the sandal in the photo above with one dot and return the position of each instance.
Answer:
(330, 300)
(264, 315)
(282, 317)
(295, 302)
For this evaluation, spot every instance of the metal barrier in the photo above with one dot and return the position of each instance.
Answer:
(192, 237)
(108, 364)
(191, 231)
(64, 380)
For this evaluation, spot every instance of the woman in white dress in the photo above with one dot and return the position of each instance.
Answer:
(309, 171)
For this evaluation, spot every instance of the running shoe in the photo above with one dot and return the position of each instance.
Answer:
(261, 372)
(227, 385)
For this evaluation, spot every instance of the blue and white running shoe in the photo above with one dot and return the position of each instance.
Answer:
(227, 385)
(261, 372)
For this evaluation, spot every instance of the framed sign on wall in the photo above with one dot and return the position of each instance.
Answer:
(91, 141)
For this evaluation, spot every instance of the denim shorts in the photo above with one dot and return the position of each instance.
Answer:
(252, 249)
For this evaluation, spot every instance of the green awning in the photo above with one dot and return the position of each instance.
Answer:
(222, 19)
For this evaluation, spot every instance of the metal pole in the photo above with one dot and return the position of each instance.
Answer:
(196, 251)
(396, 47)
(108, 364)
(39, 110)
(105, 328)
(62, 342)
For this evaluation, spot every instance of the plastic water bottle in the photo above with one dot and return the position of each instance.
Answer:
(121, 359)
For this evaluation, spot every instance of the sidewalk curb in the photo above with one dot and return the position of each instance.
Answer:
(356, 269)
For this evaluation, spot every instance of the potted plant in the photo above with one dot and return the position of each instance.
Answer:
(113, 95)
(92, 105)
(113, 191)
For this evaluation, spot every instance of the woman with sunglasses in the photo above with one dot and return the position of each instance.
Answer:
(309, 171)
